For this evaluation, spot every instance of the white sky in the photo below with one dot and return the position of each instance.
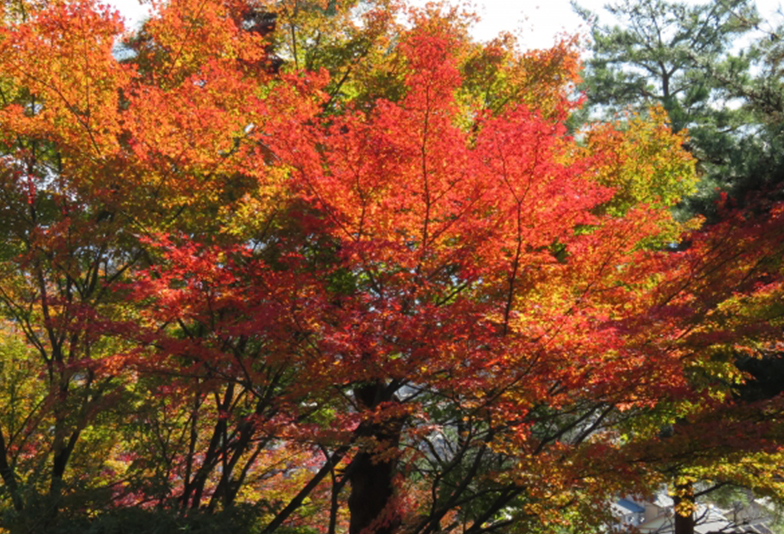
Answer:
(537, 22)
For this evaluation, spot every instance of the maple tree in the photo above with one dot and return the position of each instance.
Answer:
(84, 176)
(369, 252)
(376, 287)
(694, 76)
(740, 293)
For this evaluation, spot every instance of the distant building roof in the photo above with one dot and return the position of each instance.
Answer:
(631, 506)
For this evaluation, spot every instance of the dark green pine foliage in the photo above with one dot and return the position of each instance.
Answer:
(754, 83)
(715, 71)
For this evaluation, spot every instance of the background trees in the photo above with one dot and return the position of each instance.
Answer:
(719, 79)
(648, 56)
(699, 62)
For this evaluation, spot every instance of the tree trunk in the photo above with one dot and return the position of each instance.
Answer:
(372, 503)
(8, 476)
(684, 498)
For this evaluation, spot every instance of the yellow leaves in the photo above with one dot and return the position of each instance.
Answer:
(255, 211)
(354, 42)
(645, 163)
(762, 304)
(683, 494)
(499, 77)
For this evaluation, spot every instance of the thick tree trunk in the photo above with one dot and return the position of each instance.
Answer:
(372, 503)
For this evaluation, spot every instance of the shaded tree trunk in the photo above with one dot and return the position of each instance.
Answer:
(8, 476)
(372, 500)
(684, 497)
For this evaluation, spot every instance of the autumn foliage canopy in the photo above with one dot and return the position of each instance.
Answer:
(340, 268)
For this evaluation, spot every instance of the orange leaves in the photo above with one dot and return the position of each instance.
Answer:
(64, 56)
(433, 76)
(202, 134)
(184, 35)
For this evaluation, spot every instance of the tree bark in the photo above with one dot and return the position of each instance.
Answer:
(371, 504)
(8, 476)
(684, 495)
